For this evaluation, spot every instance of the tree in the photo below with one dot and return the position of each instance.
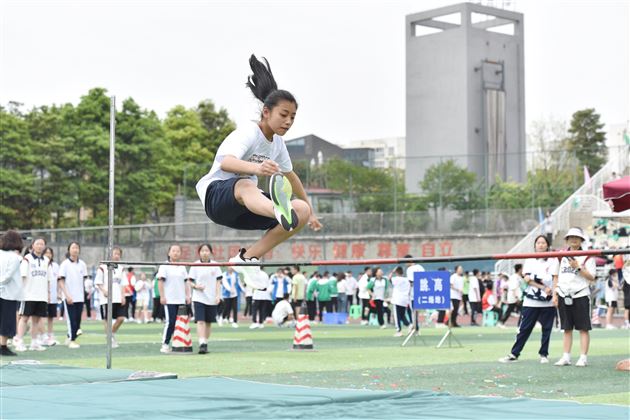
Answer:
(18, 195)
(195, 135)
(447, 185)
(587, 140)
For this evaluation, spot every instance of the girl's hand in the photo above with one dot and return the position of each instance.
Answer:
(163, 300)
(268, 168)
(554, 299)
(314, 223)
(69, 300)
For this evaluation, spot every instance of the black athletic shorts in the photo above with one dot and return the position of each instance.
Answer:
(8, 308)
(32, 308)
(612, 304)
(52, 310)
(205, 313)
(118, 311)
(576, 316)
(222, 208)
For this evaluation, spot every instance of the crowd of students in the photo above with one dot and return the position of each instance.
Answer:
(213, 295)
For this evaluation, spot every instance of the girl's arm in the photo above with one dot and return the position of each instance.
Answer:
(298, 190)
(233, 164)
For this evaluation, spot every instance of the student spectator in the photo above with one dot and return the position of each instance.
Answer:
(261, 305)
(537, 305)
(119, 307)
(489, 301)
(464, 302)
(298, 288)
(52, 299)
(206, 288)
(400, 299)
(611, 295)
(311, 304)
(323, 295)
(512, 293)
(283, 313)
(129, 293)
(280, 286)
(88, 292)
(334, 292)
(474, 296)
(231, 291)
(351, 288)
(457, 287)
(411, 269)
(158, 308)
(142, 299)
(36, 275)
(72, 275)
(572, 296)
(248, 301)
(174, 291)
(364, 295)
(377, 288)
(10, 287)
(342, 295)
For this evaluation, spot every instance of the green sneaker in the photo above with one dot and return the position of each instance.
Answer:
(281, 192)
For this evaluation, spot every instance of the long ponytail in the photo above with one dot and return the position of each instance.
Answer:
(263, 85)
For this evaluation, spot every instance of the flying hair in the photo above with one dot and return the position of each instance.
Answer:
(263, 85)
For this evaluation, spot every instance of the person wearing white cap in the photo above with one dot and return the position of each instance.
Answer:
(571, 294)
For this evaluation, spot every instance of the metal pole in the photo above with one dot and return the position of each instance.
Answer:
(110, 235)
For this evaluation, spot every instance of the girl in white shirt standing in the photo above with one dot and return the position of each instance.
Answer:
(10, 287)
(378, 288)
(400, 299)
(457, 289)
(72, 274)
(206, 289)
(119, 306)
(36, 276)
(572, 295)
(364, 295)
(537, 304)
(52, 298)
(229, 192)
(174, 291)
(611, 294)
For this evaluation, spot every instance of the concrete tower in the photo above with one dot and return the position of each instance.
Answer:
(465, 92)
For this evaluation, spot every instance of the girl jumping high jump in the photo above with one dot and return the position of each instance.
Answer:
(229, 192)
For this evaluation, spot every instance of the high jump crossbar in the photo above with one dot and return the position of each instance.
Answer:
(383, 261)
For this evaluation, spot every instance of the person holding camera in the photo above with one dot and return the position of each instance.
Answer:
(571, 294)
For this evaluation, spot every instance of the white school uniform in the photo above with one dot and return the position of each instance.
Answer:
(400, 294)
(570, 280)
(100, 279)
(74, 274)
(207, 277)
(36, 273)
(246, 143)
(174, 283)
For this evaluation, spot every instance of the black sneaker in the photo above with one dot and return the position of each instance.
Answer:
(5, 351)
(203, 348)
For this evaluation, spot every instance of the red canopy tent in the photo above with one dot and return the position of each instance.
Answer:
(617, 193)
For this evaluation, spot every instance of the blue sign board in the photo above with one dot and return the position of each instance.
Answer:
(431, 290)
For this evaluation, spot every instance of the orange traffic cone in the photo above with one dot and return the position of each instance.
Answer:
(303, 340)
(182, 341)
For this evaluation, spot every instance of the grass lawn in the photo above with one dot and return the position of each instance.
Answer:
(356, 357)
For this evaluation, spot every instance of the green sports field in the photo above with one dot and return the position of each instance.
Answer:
(357, 357)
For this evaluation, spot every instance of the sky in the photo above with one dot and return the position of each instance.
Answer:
(344, 60)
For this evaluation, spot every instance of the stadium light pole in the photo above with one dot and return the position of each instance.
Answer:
(110, 233)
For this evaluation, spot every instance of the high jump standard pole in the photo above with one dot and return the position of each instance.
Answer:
(110, 232)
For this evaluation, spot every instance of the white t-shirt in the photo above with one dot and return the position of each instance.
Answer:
(246, 143)
(363, 291)
(379, 288)
(117, 279)
(570, 281)
(611, 294)
(281, 311)
(142, 290)
(457, 283)
(207, 277)
(474, 292)
(351, 285)
(400, 295)
(174, 283)
(266, 293)
(54, 268)
(539, 270)
(342, 286)
(36, 274)
(410, 270)
(10, 279)
(514, 288)
(74, 273)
